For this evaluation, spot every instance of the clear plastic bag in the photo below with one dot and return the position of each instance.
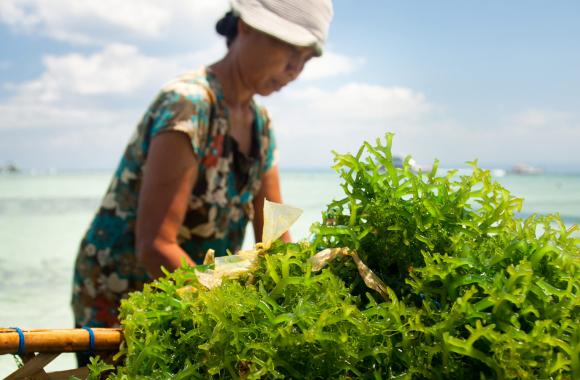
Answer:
(278, 218)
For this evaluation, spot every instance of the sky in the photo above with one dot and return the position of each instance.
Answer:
(495, 80)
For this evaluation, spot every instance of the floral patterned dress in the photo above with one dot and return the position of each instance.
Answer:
(219, 208)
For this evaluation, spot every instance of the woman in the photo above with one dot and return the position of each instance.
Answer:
(201, 162)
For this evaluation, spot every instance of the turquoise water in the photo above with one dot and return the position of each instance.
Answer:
(42, 218)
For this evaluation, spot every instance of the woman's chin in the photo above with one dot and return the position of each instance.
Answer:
(269, 88)
(266, 91)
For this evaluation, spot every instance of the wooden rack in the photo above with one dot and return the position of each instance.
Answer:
(42, 346)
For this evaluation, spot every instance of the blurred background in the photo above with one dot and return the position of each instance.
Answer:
(454, 80)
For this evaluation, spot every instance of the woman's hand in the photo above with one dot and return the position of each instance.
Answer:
(169, 175)
(270, 190)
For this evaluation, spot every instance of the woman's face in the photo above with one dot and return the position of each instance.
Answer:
(267, 64)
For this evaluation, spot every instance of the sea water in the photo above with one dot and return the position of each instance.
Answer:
(44, 216)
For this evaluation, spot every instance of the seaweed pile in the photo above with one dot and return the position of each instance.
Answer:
(467, 289)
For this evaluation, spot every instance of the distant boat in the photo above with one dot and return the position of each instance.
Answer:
(498, 172)
(525, 169)
(399, 161)
(9, 168)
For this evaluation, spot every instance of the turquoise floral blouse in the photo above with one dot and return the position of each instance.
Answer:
(219, 208)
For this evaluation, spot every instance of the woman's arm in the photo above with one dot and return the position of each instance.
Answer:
(169, 175)
(270, 190)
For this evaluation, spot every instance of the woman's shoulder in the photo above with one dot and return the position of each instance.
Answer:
(192, 85)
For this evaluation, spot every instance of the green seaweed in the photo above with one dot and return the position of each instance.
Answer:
(487, 294)
(474, 291)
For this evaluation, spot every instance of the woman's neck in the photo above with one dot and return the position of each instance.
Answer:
(236, 93)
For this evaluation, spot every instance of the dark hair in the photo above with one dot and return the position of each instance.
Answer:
(228, 26)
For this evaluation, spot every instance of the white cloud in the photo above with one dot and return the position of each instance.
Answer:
(508, 143)
(362, 102)
(16, 14)
(56, 135)
(353, 104)
(104, 21)
(21, 116)
(537, 117)
(71, 109)
(86, 105)
(117, 69)
(311, 122)
(330, 64)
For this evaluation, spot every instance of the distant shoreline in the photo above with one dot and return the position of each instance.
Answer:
(318, 170)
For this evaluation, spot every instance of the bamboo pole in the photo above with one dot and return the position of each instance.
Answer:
(65, 340)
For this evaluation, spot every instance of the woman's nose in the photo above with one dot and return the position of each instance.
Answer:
(294, 67)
